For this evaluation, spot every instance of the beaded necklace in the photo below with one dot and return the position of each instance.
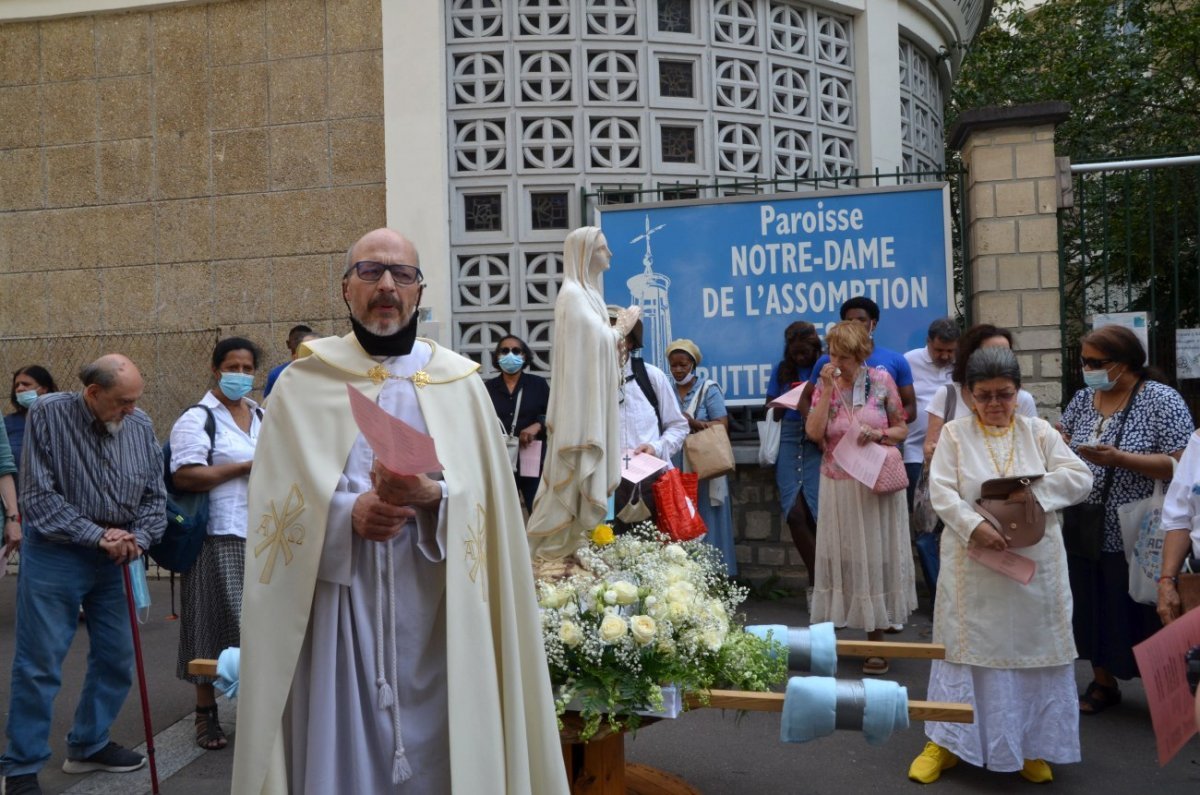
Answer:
(1008, 433)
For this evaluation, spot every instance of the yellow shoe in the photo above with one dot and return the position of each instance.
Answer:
(1037, 771)
(928, 767)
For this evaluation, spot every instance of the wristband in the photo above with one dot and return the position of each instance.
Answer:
(1167, 578)
(12, 517)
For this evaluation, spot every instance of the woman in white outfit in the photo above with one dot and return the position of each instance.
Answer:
(1010, 650)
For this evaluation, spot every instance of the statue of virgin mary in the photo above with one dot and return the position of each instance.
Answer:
(582, 459)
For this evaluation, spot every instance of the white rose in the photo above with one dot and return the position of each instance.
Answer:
(675, 553)
(570, 634)
(677, 611)
(713, 639)
(552, 597)
(676, 574)
(642, 628)
(612, 628)
(658, 610)
(683, 592)
(627, 592)
(610, 596)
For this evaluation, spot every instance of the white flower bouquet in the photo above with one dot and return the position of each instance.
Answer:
(638, 612)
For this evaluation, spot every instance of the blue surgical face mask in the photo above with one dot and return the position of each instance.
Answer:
(236, 385)
(141, 588)
(27, 398)
(512, 363)
(1098, 380)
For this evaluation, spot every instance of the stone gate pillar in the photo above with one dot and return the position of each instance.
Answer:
(1012, 234)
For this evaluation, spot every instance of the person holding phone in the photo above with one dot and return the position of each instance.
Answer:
(1126, 425)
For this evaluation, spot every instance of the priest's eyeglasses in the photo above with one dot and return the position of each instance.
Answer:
(402, 275)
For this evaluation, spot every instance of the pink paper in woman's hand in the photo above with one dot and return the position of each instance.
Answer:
(397, 445)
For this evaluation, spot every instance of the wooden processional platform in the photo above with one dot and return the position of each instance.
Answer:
(598, 767)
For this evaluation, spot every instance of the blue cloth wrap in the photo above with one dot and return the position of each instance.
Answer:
(809, 709)
(812, 649)
(886, 710)
(228, 666)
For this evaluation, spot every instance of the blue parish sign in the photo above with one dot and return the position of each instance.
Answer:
(731, 274)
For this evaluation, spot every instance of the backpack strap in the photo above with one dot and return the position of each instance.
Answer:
(210, 428)
(638, 365)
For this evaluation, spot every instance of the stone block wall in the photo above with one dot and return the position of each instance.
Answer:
(1012, 206)
(763, 544)
(194, 167)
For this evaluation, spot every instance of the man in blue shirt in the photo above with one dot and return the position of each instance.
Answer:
(297, 335)
(863, 310)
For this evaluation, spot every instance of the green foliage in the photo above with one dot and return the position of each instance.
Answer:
(1130, 71)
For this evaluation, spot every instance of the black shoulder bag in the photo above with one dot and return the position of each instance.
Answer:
(1083, 524)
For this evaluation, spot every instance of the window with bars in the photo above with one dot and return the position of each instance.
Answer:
(548, 97)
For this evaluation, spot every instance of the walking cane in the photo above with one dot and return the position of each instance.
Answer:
(141, 672)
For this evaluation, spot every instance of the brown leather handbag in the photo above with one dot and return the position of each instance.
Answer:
(1009, 504)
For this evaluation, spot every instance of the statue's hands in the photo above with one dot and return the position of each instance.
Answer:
(627, 319)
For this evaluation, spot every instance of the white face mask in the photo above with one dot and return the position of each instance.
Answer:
(687, 379)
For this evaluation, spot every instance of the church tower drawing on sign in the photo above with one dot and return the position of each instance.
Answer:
(648, 290)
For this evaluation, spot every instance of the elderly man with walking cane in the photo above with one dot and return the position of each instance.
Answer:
(93, 500)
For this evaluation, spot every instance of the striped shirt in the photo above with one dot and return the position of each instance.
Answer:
(77, 479)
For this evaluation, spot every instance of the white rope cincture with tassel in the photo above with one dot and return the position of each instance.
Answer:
(401, 770)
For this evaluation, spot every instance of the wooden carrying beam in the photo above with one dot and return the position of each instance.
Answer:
(773, 702)
(202, 667)
(756, 702)
(883, 648)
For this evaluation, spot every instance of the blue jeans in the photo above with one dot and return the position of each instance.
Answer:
(798, 468)
(54, 580)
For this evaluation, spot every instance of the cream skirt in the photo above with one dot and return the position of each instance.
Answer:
(864, 577)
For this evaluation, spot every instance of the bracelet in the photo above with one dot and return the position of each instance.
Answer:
(1168, 578)
(12, 517)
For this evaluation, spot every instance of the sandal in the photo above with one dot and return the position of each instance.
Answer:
(1098, 698)
(209, 735)
(875, 666)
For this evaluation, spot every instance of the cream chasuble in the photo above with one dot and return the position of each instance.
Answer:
(469, 567)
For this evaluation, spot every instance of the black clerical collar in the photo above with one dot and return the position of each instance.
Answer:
(398, 344)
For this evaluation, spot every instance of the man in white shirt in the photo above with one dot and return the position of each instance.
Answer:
(931, 366)
(656, 426)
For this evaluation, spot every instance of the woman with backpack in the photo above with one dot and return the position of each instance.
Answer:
(212, 447)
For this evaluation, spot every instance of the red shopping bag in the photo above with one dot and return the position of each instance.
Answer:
(675, 500)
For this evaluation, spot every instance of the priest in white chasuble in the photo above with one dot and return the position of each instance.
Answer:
(390, 634)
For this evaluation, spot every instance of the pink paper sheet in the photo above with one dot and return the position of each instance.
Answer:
(1010, 564)
(640, 467)
(861, 461)
(1160, 662)
(789, 399)
(529, 459)
(397, 445)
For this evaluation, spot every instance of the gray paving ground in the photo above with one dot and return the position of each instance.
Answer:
(715, 751)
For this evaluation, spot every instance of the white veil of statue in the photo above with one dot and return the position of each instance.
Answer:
(582, 461)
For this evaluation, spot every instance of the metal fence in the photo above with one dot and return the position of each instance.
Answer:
(175, 365)
(1130, 244)
(742, 419)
